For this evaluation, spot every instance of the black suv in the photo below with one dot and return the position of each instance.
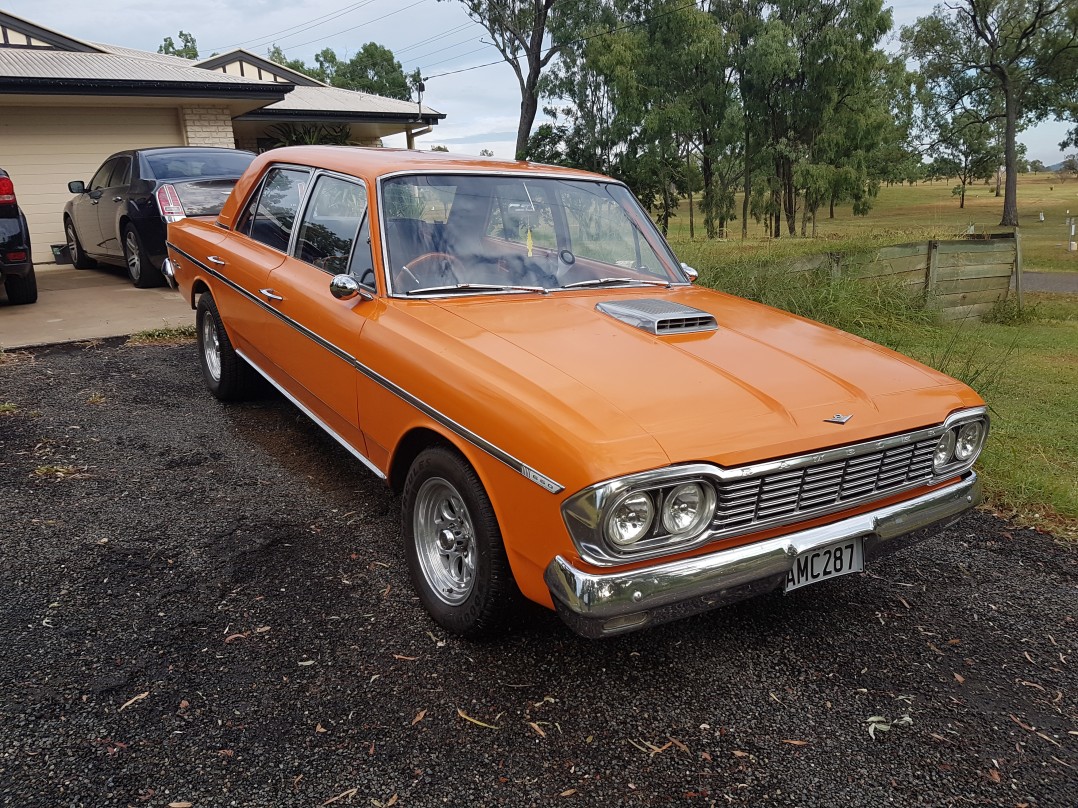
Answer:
(121, 216)
(16, 265)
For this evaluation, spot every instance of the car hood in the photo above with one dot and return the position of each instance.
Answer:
(759, 386)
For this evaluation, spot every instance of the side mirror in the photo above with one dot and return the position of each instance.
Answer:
(345, 287)
(688, 270)
(77, 187)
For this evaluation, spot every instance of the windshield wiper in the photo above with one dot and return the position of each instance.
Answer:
(605, 281)
(475, 287)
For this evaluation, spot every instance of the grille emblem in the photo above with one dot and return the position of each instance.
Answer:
(838, 418)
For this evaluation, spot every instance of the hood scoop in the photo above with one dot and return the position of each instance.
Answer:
(659, 316)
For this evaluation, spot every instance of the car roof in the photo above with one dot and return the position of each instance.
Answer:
(371, 163)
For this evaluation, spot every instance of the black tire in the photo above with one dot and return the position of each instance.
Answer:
(230, 378)
(78, 257)
(21, 290)
(140, 269)
(438, 563)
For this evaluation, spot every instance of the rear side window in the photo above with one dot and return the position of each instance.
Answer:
(327, 233)
(271, 215)
(121, 172)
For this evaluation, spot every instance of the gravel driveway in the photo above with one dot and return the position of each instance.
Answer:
(207, 605)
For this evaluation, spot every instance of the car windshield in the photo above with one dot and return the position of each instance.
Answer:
(454, 234)
(183, 165)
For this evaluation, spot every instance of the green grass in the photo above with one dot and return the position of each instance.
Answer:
(163, 336)
(926, 210)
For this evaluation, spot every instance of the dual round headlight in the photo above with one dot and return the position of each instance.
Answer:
(679, 511)
(959, 445)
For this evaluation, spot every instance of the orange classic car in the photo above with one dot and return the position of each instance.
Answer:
(518, 353)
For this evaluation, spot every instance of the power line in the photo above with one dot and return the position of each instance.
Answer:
(305, 26)
(565, 44)
(435, 38)
(362, 24)
(457, 56)
(447, 47)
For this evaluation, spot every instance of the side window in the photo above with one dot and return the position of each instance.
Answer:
(272, 214)
(121, 172)
(327, 232)
(362, 265)
(101, 178)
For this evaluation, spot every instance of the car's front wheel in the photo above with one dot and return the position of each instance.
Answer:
(74, 247)
(226, 373)
(139, 267)
(454, 547)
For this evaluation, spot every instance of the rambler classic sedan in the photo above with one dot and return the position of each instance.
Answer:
(517, 352)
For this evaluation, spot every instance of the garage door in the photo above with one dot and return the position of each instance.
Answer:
(43, 149)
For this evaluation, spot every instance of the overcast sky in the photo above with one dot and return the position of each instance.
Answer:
(481, 106)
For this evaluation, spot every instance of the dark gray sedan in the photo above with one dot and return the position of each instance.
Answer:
(120, 216)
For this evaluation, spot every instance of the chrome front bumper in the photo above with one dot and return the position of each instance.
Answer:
(603, 604)
(169, 271)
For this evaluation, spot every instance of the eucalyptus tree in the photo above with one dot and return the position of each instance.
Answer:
(1007, 60)
(529, 34)
(968, 149)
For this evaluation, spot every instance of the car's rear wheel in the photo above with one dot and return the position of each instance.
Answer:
(78, 257)
(21, 290)
(226, 373)
(454, 547)
(139, 267)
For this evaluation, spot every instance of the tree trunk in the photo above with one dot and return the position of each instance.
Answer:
(832, 216)
(962, 198)
(707, 173)
(692, 222)
(1010, 151)
(529, 104)
(748, 186)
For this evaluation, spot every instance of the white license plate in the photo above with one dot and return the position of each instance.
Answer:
(828, 561)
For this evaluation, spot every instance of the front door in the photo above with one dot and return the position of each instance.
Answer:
(322, 337)
(111, 205)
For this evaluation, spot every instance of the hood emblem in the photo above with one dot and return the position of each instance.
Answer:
(838, 418)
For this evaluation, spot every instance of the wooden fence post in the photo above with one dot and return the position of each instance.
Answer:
(1018, 268)
(932, 273)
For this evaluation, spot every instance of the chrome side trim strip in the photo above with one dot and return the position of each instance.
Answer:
(602, 604)
(329, 430)
(462, 431)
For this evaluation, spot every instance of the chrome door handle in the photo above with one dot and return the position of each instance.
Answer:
(117, 199)
(271, 294)
(213, 259)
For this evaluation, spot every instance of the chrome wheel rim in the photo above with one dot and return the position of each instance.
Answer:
(72, 245)
(445, 541)
(134, 269)
(211, 347)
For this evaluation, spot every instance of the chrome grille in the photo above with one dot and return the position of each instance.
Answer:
(782, 495)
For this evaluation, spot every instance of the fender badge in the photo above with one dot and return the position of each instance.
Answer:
(838, 418)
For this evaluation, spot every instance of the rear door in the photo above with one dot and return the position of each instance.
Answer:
(247, 256)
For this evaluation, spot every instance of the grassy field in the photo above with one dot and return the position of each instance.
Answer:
(1026, 367)
(928, 210)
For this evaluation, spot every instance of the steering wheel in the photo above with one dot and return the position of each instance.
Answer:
(432, 269)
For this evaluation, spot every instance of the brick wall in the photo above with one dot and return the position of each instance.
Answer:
(207, 126)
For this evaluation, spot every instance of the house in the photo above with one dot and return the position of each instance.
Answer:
(66, 104)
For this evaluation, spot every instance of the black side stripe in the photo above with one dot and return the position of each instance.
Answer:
(459, 429)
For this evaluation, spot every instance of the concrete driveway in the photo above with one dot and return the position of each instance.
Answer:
(79, 304)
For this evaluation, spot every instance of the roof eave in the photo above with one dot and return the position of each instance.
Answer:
(155, 89)
(324, 116)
